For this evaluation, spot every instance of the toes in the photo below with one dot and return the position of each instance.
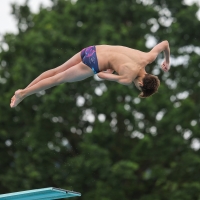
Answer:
(12, 102)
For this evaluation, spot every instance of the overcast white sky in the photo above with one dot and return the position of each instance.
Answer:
(7, 22)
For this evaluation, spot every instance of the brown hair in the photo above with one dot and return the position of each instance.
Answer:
(150, 85)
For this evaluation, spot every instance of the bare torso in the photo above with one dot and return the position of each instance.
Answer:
(121, 59)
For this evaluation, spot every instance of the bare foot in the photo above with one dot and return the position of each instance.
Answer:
(16, 99)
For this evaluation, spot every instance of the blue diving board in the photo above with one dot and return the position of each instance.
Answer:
(50, 193)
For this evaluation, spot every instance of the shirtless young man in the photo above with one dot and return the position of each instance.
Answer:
(129, 64)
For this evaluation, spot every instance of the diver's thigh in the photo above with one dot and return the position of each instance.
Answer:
(76, 73)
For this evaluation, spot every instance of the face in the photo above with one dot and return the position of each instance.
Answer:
(138, 83)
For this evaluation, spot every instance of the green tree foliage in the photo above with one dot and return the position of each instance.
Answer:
(98, 137)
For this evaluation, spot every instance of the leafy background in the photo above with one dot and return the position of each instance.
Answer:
(97, 137)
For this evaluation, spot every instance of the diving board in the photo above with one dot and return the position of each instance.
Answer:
(49, 193)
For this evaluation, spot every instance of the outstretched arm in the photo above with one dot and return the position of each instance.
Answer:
(112, 77)
(161, 47)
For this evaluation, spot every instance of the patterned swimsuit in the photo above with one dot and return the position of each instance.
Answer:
(89, 58)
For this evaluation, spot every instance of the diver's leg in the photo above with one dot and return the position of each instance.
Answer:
(76, 73)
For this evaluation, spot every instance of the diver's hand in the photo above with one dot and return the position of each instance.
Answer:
(110, 71)
(165, 66)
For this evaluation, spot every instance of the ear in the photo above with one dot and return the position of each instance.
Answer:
(140, 83)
